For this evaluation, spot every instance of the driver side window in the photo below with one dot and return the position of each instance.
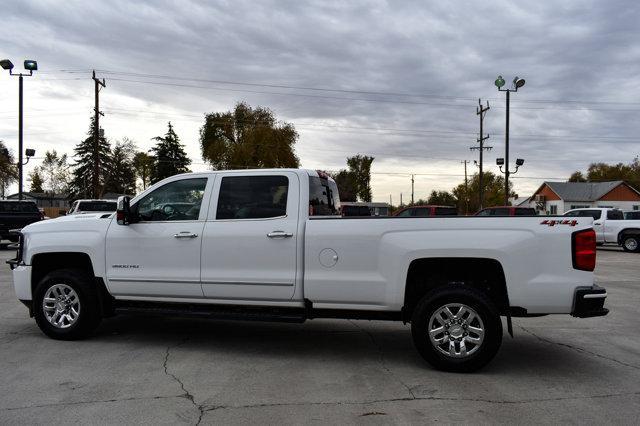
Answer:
(178, 200)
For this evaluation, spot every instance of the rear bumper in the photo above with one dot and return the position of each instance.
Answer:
(589, 302)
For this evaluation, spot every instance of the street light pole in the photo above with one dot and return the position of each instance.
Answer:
(20, 138)
(30, 66)
(517, 83)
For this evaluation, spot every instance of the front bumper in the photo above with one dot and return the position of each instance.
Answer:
(589, 302)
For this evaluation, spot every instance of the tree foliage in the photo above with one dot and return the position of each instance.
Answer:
(602, 172)
(493, 192)
(169, 156)
(37, 183)
(247, 138)
(143, 165)
(354, 183)
(86, 182)
(442, 198)
(55, 172)
(122, 177)
(8, 168)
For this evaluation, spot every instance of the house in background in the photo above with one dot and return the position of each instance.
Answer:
(555, 198)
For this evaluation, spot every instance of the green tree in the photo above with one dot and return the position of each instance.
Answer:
(122, 177)
(169, 157)
(360, 169)
(8, 169)
(442, 198)
(346, 185)
(493, 192)
(143, 165)
(577, 177)
(247, 138)
(37, 183)
(87, 182)
(55, 172)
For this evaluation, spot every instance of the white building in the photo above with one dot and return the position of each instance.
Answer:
(558, 197)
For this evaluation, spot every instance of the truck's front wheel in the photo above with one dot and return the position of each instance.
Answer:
(66, 305)
(456, 329)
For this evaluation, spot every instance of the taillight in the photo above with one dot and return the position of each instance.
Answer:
(584, 250)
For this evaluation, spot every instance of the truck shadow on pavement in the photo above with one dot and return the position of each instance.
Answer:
(353, 342)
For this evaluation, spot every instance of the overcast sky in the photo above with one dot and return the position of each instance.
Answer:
(403, 79)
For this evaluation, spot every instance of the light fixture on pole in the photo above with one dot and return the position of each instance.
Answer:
(31, 66)
(517, 83)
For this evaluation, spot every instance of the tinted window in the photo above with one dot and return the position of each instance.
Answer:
(572, 214)
(446, 211)
(632, 215)
(595, 214)
(97, 206)
(405, 213)
(178, 200)
(615, 215)
(499, 212)
(19, 207)
(525, 212)
(421, 212)
(252, 197)
(323, 197)
(484, 213)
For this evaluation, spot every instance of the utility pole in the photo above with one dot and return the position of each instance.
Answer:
(412, 179)
(401, 199)
(96, 136)
(466, 188)
(481, 111)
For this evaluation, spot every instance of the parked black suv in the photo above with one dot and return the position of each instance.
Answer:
(15, 215)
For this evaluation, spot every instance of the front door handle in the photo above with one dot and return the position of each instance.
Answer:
(185, 234)
(280, 234)
(597, 223)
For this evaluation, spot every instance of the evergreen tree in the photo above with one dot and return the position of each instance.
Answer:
(36, 181)
(122, 177)
(85, 182)
(169, 156)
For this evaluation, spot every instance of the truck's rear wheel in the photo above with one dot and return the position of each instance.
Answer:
(65, 305)
(631, 243)
(456, 329)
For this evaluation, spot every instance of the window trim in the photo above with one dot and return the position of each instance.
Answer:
(204, 207)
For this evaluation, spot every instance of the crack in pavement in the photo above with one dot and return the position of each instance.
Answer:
(426, 398)
(97, 401)
(579, 349)
(187, 395)
(383, 361)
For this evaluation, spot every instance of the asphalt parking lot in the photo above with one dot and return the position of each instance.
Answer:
(145, 370)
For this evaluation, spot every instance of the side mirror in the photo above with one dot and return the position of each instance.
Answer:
(123, 210)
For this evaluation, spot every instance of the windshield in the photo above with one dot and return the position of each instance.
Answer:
(323, 197)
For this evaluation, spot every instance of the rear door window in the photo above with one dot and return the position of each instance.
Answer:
(500, 212)
(323, 197)
(252, 197)
(421, 212)
(595, 214)
(525, 212)
(615, 215)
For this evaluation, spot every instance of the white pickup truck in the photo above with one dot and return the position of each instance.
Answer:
(271, 245)
(611, 227)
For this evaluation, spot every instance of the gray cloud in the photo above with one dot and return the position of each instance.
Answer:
(575, 50)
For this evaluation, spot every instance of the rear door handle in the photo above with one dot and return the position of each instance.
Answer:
(280, 234)
(185, 234)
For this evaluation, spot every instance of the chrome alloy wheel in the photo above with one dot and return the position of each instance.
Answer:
(631, 244)
(61, 305)
(456, 330)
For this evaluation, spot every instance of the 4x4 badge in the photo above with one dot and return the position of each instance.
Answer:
(554, 222)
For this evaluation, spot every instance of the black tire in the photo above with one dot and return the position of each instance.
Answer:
(629, 242)
(457, 294)
(88, 316)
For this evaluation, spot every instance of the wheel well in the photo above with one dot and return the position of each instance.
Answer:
(629, 231)
(43, 263)
(482, 274)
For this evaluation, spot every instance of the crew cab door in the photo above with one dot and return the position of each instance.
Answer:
(250, 238)
(612, 225)
(159, 256)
